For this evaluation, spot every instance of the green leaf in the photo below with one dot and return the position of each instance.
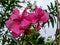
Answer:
(18, 6)
(43, 24)
(24, 42)
(52, 21)
(52, 7)
(10, 37)
(48, 23)
(49, 8)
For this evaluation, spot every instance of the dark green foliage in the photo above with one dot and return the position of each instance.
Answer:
(52, 13)
(49, 43)
(7, 6)
(34, 39)
(52, 21)
(31, 39)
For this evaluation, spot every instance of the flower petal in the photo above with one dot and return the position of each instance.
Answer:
(38, 27)
(16, 31)
(15, 17)
(24, 12)
(9, 23)
(45, 17)
(25, 23)
(32, 17)
(16, 11)
(39, 12)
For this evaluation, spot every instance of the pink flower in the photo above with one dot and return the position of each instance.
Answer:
(38, 16)
(33, 18)
(17, 23)
(42, 17)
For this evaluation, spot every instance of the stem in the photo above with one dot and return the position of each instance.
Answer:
(24, 42)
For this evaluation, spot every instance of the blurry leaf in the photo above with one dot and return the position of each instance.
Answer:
(49, 8)
(18, 6)
(52, 21)
(48, 23)
(43, 24)
(52, 6)
(53, 13)
(10, 37)
(41, 41)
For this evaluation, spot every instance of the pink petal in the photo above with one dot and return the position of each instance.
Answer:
(38, 27)
(15, 14)
(9, 23)
(14, 27)
(25, 23)
(15, 17)
(16, 11)
(45, 17)
(16, 31)
(32, 17)
(39, 12)
(24, 12)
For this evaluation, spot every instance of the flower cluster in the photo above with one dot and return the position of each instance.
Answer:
(20, 23)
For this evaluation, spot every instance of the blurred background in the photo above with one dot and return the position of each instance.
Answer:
(49, 32)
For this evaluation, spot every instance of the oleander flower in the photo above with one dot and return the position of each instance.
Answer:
(42, 17)
(37, 17)
(17, 23)
(20, 23)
